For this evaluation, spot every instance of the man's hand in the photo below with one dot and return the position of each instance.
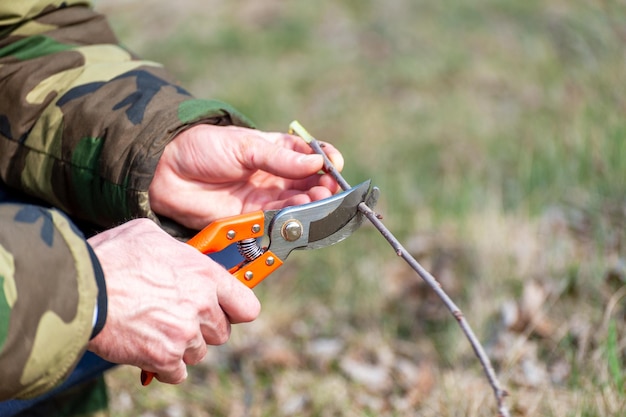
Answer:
(210, 172)
(166, 301)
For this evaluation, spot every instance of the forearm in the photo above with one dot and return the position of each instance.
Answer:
(85, 121)
(51, 284)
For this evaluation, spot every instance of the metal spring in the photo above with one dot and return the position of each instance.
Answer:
(249, 249)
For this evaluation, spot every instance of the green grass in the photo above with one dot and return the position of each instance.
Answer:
(495, 129)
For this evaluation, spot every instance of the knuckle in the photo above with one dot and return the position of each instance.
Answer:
(188, 333)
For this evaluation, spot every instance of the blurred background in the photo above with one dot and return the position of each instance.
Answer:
(496, 131)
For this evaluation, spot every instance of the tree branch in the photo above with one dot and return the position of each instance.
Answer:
(499, 392)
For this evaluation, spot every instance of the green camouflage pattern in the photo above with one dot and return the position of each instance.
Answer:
(45, 318)
(14, 13)
(83, 121)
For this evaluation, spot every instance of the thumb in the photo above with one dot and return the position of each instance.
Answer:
(262, 155)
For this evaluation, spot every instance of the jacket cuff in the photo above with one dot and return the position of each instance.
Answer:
(100, 312)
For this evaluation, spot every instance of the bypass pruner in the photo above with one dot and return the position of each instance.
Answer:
(308, 226)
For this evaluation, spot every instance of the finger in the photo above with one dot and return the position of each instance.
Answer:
(196, 351)
(238, 302)
(296, 197)
(318, 193)
(293, 198)
(216, 332)
(329, 182)
(297, 144)
(336, 158)
(303, 185)
(293, 165)
(263, 155)
(175, 376)
(214, 321)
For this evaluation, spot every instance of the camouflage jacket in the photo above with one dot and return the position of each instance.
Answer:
(46, 318)
(83, 122)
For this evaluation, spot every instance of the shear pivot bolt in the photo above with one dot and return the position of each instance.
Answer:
(292, 230)
(248, 275)
(256, 228)
(230, 235)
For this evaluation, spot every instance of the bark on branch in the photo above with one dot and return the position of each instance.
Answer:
(499, 392)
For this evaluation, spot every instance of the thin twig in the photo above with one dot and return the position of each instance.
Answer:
(499, 392)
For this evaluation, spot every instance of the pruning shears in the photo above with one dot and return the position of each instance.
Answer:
(308, 226)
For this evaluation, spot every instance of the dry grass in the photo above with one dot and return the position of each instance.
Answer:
(496, 132)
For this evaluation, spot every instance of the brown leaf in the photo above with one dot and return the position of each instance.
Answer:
(528, 312)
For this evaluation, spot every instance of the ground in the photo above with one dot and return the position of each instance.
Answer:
(496, 132)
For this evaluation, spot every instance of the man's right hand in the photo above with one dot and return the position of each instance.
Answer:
(166, 301)
(209, 172)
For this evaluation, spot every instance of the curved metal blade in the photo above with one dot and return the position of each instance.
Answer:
(370, 199)
(321, 223)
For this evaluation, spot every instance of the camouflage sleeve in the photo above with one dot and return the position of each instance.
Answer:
(48, 293)
(83, 121)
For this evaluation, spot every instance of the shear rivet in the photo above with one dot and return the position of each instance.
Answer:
(256, 228)
(291, 231)
(269, 261)
(248, 275)
(230, 235)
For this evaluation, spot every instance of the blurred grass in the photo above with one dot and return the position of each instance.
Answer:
(497, 126)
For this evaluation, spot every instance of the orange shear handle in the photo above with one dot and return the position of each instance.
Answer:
(222, 233)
